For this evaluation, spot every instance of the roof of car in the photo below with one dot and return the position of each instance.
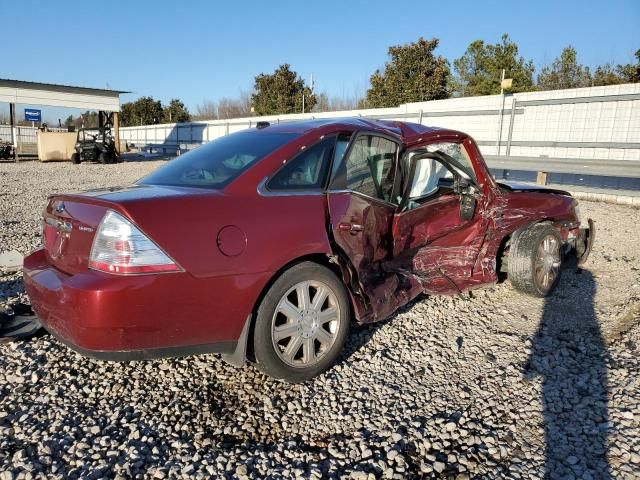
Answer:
(406, 130)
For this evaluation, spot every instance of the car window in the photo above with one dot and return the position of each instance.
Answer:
(455, 150)
(308, 170)
(428, 178)
(217, 163)
(342, 143)
(370, 166)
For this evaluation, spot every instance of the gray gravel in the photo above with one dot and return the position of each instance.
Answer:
(493, 384)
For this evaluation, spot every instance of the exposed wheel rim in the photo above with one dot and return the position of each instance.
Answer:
(305, 324)
(547, 262)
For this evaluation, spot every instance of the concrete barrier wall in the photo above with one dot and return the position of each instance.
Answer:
(593, 123)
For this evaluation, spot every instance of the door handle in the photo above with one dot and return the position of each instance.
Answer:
(351, 227)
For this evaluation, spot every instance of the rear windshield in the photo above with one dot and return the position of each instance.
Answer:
(217, 163)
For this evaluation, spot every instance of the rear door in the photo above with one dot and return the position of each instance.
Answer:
(362, 201)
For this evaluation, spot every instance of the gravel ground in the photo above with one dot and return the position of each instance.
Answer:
(492, 384)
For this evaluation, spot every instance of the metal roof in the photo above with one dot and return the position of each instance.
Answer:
(37, 93)
(8, 82)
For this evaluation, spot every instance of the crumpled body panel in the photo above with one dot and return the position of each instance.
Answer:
(430, 249)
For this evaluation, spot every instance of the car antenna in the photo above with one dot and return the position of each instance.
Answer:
(262, 124)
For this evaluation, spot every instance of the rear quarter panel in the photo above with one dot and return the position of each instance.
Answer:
(277, 230)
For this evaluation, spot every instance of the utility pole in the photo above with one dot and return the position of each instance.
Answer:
(498, 143)
(310, 88)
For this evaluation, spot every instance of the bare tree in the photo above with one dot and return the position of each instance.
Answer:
(338, 103)
(207, 110)
(235, 107)
(225, 108)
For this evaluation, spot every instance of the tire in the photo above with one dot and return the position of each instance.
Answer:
(103, 158)
(535, 259)
(307, 345)
(75, 158)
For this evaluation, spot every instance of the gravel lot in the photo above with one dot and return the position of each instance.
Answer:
(492, 384)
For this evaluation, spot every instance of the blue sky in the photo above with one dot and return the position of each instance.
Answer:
(197, 50)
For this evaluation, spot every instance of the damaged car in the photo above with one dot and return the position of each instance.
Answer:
(268, 244)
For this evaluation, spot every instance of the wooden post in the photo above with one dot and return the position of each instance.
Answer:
(116, 132)
(14, 130)
(542, 178)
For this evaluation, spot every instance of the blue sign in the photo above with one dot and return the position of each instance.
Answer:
(32, 115)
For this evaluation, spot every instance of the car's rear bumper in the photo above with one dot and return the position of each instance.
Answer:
(585, 241)
(228, 348)
(142, 316)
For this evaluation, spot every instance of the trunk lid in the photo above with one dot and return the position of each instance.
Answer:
(67, 234)
(70, 221)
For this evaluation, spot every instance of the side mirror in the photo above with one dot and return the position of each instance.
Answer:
(468, 194)
(467, 206)
(448, 182)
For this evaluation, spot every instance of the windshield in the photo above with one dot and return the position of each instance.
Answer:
(217, 163)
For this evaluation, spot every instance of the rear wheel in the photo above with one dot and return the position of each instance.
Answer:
(103, 158)
(302, 323)
(535, 259)
(75, 158)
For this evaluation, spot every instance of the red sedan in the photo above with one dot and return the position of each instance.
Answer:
(266, 244)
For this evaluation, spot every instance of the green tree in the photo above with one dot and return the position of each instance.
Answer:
(144, 111)
(630, 72)
(564, 72)
(479, 69)
(606, 75)
(176, 112)
(281, 92)
(128, 115)
(413, 74)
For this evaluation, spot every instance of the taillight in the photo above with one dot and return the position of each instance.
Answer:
(120, 247)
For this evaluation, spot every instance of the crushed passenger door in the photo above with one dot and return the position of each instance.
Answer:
(438, 229)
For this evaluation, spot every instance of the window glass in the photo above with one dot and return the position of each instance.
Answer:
(217, 163)
(370, 166)
(308, 170)
(341, 147)
(455, 150)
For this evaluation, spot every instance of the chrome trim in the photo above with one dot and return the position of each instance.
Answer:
(264, 192)
(59, 225)
(355, 192)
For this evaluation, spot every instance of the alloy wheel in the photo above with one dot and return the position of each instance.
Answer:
(305, 323)
(547, 263)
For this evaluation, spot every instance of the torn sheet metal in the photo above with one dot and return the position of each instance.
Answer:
(432, 250)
